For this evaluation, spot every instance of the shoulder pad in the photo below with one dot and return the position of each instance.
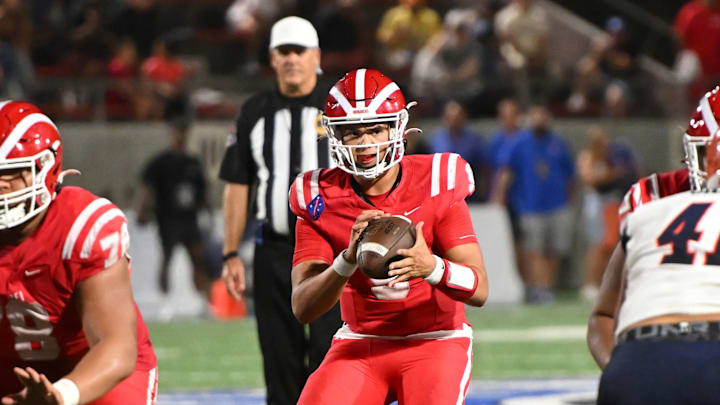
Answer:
(305, 199)
(674, 182)
(451, 173)
(97, 234)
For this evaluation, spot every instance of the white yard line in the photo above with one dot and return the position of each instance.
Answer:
(539, 334)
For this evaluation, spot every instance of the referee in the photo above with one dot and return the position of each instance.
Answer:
(276, 139)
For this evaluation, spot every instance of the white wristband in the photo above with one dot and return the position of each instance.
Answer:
(438, 271)
(342, 266)
(68, 391)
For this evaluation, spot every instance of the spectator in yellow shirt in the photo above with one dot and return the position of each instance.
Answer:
(404, 29)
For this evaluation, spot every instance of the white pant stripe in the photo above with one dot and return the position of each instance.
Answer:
(152, 387)
(465, 380)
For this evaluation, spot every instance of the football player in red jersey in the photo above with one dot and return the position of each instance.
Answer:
(70, 332)
(655, 327)
(405, 337)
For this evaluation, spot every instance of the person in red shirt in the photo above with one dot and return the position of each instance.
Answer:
(166, 76)
(70, 332)
(697, 25)
(405, 337)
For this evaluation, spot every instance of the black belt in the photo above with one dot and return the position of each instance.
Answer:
(685, 331)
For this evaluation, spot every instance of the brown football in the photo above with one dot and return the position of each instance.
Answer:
(379, 242)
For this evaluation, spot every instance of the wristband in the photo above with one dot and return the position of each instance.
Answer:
(68, 391)
(229, 255)
(342, 266)
(458, 282)
(438, 272)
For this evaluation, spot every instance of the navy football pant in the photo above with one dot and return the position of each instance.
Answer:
(664, 372)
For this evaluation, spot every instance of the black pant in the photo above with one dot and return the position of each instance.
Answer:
(290, 355)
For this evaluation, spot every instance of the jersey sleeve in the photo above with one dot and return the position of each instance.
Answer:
(309, 244)
(303, 191)
(452, 182)
(451, 176)
(674, 182)
(307, 204)
(640, 193)
(455, 228)
(651, 188)
(237, 165)
(97, 239)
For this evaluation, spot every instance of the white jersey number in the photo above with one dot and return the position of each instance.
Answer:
(682, 230)
(31, 325)
(383, 292)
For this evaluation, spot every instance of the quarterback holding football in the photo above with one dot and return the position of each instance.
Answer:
(655, 326)
(404, 337)
(70, 332)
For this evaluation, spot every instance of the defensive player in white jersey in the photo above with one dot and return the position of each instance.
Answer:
(661, 294)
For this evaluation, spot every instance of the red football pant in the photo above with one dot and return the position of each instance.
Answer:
(375, 372)
(138, 389)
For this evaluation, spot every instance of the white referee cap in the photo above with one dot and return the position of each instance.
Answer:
(293, 31)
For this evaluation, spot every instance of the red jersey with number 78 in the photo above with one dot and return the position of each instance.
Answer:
(432, 188)
(80, 236)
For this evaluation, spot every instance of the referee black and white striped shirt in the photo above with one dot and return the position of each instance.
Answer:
(275, 140)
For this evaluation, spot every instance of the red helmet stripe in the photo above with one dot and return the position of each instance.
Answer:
(20, 130)
(360, 88)
(708, 116)
(382, 96)
(4, 103)
(344, 103)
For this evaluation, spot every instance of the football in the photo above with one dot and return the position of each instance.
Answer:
(379, 242)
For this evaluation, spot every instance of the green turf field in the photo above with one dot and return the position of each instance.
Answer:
(510, 342)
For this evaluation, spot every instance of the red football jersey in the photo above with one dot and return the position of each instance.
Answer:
(432, 189)
(40, 327)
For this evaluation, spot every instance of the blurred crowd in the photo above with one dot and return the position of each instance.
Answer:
(139, 57)
(461, 59)
(550, 193)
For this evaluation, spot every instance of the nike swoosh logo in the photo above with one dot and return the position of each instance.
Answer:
(30, 273)
(412, 210)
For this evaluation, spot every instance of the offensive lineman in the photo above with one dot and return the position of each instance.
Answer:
(406, 337)
(70, 332)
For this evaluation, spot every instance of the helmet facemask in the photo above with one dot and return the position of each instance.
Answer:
(700, 142)
(388, 153)
(18, 206)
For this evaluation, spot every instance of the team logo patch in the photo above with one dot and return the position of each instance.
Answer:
(316, 207)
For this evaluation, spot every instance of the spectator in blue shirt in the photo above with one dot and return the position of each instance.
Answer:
(509, 112)
(538, 162)
(508, 116)
(456, 137)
